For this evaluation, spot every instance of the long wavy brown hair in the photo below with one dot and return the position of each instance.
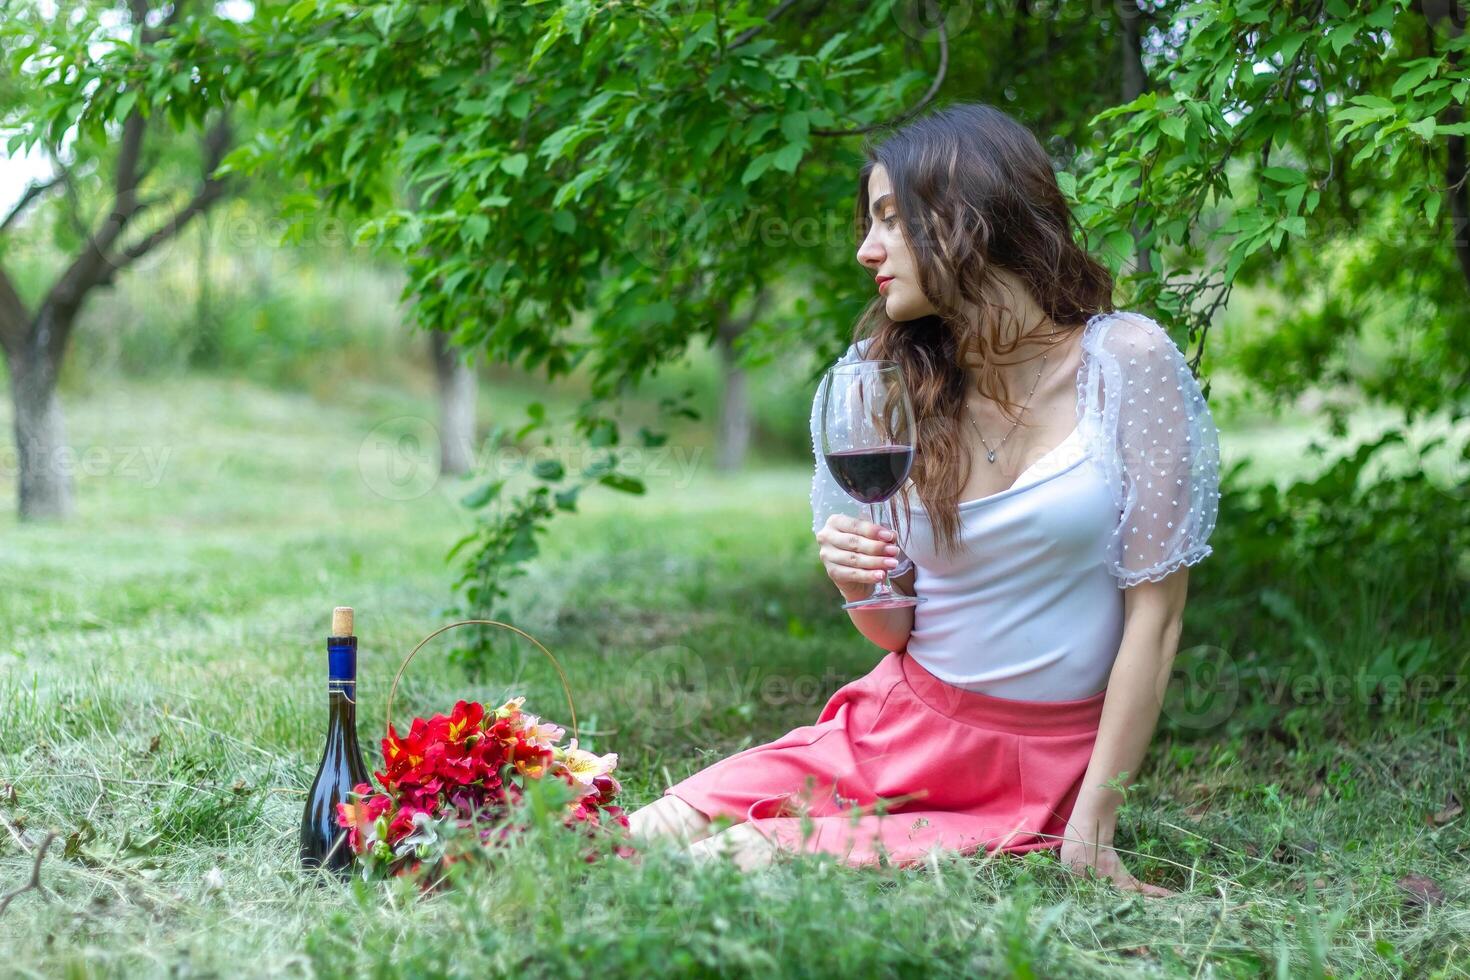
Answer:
(975, 193)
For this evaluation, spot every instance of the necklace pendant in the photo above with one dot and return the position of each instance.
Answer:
(990, 455)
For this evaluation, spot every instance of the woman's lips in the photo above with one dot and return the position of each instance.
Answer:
(883, 282)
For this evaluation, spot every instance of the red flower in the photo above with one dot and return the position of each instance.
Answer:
(356, 817)
(469, 767)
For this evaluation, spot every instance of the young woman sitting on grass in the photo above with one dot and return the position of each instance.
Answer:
(1050, 535)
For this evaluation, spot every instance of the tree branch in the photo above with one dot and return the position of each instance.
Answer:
(33, 191)
(34, 883)
(771, 18)
(90, 267)
(211, 190)
(1457, 160)
(1135, 83)
(912, 110)
(14, 318)
(99, 264)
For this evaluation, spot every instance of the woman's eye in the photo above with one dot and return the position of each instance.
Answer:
(889, 221)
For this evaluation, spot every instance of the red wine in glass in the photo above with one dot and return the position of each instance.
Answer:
(871, 475)
(868, 445)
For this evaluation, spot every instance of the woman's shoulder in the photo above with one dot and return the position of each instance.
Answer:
(1124, 345)
(856, 351)
(1117, 332)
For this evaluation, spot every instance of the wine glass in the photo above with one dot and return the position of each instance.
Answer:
(868, 444)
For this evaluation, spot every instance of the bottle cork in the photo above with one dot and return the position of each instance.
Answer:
(342, 621)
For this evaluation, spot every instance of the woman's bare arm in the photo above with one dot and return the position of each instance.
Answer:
(1152, 620)
(888, 628)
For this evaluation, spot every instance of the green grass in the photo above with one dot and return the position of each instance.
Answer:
(162, 700)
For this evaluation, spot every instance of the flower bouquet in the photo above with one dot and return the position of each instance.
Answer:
(448, 789)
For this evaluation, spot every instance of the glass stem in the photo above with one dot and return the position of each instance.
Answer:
(882, 588)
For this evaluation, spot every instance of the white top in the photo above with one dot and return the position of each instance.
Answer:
(1032, 607)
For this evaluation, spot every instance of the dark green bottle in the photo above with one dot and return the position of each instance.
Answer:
(323, 843)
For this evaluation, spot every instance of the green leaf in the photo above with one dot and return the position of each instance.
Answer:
(1341, 36)
(1415, 72)
(795, 126)
(627, 484)
(515, 165)
(1068, 183)
(549, 470)
(1119, 243)
(476, 227)
(1382, 17)
(826, 50)
(788, 157)
(1284, 175)
(757, 167)
(604, 432)
(555, 27)
(1424, 129)
(481, 496)
(1176, 127)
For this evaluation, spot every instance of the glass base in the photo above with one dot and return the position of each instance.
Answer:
(895, 601)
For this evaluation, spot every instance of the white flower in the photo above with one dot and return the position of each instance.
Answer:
(586, 766)
(424, 833)
(542, 734)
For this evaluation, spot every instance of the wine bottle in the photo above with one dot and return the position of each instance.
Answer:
(323, 843)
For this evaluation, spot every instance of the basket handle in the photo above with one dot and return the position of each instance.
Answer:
(388, 720)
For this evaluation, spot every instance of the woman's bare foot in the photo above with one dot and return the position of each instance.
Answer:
(750, 849)
(669, 816)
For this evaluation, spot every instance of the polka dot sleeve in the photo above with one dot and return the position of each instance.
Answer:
(827, 497)
(1156, 443)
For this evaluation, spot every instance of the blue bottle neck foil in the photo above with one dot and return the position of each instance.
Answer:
(342, 666)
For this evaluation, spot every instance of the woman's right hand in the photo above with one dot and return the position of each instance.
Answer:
(856, 553)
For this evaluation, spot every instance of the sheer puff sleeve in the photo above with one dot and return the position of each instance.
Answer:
(827, 497)
(1156, 443)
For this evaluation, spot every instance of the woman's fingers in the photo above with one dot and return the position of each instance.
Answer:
(852, 551)
(855, 576)
(859, 537)
(837, 556)
(1152, 891)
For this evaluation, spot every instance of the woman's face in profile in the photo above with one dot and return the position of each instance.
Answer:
(886, 254)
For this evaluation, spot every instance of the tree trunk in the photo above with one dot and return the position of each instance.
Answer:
(457, 395)
(734, 422)
(1457, 173)
(1135, 83)
(45, 461)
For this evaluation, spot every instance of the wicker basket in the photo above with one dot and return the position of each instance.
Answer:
(393, 689)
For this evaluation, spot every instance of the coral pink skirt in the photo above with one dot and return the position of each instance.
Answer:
(900, 762)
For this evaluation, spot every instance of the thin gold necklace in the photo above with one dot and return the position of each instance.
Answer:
(990, 453)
